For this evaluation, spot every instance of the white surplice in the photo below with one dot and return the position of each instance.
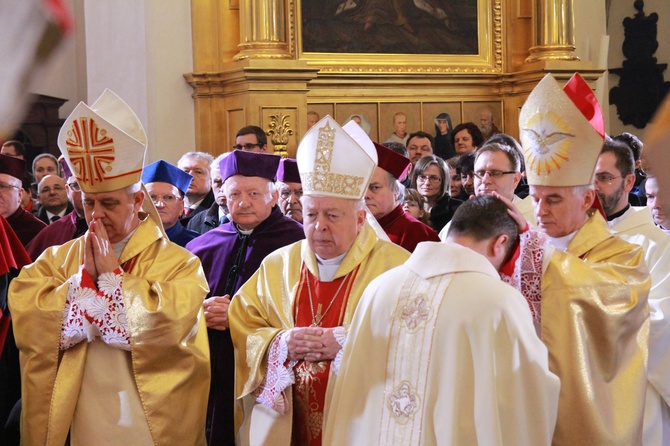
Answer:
(440, 351)
(637, 226)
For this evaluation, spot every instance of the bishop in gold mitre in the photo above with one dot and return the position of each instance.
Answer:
(586, 288)
(289, 321)
(112, 338)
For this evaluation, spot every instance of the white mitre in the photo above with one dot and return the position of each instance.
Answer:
(336, 161)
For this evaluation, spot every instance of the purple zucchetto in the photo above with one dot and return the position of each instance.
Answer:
(249, 164)
(288, 171)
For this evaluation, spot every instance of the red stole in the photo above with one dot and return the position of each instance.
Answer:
(311, 378)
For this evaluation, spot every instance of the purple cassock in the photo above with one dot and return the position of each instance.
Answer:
(67, 228)
(25, 225)
(229, 258)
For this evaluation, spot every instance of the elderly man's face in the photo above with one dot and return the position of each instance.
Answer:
(289, 200)
(250, 200)
(379, 197)
(52, 194)
(116, 210)
(331, 224)
(558, 210)
(488, 178)
(418, 147)
(217, 187)
(654, 203)
(10, 194)
(198, 168)
(167, 199)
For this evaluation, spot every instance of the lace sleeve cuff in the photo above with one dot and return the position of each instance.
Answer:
(341, 337)
(92, 311)
(278, 377)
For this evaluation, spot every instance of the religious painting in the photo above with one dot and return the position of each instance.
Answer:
(475, 111)
(388, 112)
(390, 26)
(365, 115)
(399, 35)
(434, 114)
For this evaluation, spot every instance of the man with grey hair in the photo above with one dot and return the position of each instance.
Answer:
(112, 348)
(587, 289)
(486, 124)
(384, 200)
(297, 306)
(199, 196)
(217, 214)
(444, 328)
(230, 254)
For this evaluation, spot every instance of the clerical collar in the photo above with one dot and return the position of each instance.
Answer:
(118, 247)
(243, 231)
(561, 242)
(618, 214)
(328, 267)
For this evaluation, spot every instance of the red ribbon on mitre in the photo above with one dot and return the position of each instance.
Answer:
(585, 100)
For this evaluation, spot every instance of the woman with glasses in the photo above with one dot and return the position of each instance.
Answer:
(430, 177)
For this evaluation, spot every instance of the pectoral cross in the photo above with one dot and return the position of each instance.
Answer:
(318, 316)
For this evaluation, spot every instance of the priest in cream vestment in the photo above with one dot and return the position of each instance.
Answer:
(109, 326)
(289, 320)
(586, 288)
(442, 352)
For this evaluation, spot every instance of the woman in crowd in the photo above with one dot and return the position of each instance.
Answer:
(429, 177)
(466, 138)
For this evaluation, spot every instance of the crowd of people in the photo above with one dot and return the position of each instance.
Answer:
(462, 288)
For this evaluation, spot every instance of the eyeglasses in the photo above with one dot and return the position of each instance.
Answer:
(604, 178)
(410, 204)
(495, 174)
(55, 188)
(285, 194)
(74, 186)
(165, 199)
(4, 187)
(430, 179)
(247, 146)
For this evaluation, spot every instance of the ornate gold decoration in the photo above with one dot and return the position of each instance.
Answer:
(280, 130)
(322, 180)
(488, 60)
(262, 30)
(554, 32)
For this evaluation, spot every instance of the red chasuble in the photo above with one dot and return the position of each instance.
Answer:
(311, 378)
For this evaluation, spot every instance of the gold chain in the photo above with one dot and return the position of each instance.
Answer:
(316, 323)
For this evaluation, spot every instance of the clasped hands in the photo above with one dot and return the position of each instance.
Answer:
(312, 344)
(216, 312)
(99, 257)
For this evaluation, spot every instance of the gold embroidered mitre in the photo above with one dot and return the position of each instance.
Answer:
(103, 144)
(562, 133)
(336, 161)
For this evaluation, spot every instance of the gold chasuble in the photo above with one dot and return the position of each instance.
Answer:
(267, 305)
(163, 292)
(595, 323)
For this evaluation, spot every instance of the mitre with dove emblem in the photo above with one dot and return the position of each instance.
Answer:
(561, 132)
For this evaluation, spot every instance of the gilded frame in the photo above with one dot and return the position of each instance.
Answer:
(488, 59)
